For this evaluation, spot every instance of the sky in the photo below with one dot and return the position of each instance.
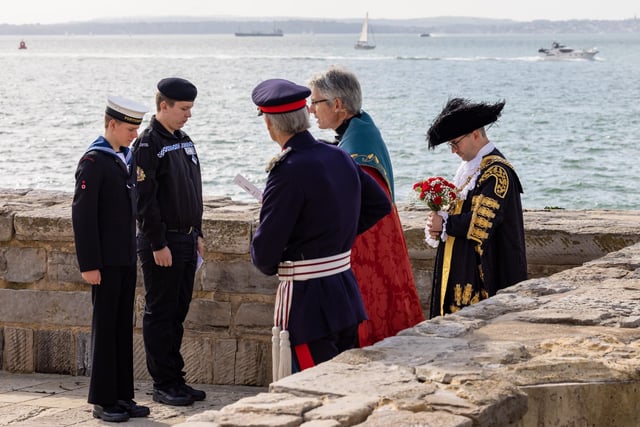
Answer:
(58, 11)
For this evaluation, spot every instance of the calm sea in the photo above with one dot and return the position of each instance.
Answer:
(571, 128)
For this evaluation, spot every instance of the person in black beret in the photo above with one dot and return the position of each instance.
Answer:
(170, 238)
(104, 228)
(315, 202)
(480, 238)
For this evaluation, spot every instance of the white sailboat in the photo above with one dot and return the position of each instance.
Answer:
(363, 42)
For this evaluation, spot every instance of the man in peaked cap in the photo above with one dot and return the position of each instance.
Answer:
(170, 238)
(104, 226)
(480, 239)
(315, 202)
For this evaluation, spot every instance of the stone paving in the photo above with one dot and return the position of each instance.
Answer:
(47, 400)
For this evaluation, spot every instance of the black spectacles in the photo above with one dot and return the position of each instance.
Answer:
(317, 101)
(455, 142)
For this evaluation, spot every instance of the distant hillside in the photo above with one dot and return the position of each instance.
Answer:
(191, 25)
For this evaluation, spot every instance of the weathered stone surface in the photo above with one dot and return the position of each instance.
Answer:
(25, 265)
(206, 314)
(6, 224)
(47, 307)
(544, 352)
(197, 353)
(18, 352)
(228, 232)
(52, 223)
(388, 416)
(254, 315)
(224, 366)
(253, 362)
(55, 352)
(494, 363)
(63, 267)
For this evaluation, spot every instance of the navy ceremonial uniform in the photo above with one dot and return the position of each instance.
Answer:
(316, 200)
(103, 216)
(170, 215)
(315, 203)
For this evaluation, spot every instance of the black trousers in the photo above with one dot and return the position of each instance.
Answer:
(168, 292)
(311, 354)
(112, 336)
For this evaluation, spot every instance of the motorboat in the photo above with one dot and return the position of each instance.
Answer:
(560, 51)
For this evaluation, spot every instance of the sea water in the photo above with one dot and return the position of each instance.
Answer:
(570, 128)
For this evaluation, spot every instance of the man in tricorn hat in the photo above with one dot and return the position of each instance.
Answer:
(104, 227)
(482, 247)
(170, 236)
(315, 201)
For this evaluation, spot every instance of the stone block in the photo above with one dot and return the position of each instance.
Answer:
(207, 314)
(252, 315)
(197, 352)
(140, 371)
(18, 351)
(237, 275)
(63, 267)
(83, 354)
(45, 307)
(228, 233)
(55, 352)
(25, 265)
(224, 361)
(6, 225)
(253, 362)
(52, 223)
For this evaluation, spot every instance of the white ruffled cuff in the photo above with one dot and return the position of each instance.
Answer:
(443, 236)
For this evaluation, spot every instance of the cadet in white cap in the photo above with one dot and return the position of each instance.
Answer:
(104, 227)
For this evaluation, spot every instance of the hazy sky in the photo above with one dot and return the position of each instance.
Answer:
(53, 11)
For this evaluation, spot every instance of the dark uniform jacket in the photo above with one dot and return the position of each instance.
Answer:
(316, 200)
(104, 206)
(485, 250)
(169, 183)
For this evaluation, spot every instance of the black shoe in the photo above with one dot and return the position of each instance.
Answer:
(133, 409)
(111, 413)
(174, 396)
(196, 395)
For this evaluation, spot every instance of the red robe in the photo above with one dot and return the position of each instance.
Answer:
(380, 262)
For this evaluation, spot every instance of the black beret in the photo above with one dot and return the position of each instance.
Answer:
(276, 96)
(459, 117)
(178, 89)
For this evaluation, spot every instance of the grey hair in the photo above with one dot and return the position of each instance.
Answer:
(292, 122)
(338, 82)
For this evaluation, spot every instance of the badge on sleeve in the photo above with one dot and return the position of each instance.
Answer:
(140, 174)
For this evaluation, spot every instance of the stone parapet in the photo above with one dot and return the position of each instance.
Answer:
(44, 303)
(556, 351)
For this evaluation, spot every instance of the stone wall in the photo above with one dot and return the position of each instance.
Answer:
(45, 309)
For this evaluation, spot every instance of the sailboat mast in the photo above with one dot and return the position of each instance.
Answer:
(364, 33)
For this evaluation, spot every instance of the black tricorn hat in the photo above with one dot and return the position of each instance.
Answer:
(459, 117)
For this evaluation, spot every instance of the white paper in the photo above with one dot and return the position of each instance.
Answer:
(247, 186)
(199, 262)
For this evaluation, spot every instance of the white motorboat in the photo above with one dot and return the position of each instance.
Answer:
(560, 51)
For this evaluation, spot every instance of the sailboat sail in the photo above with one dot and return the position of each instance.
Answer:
(363, 41)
